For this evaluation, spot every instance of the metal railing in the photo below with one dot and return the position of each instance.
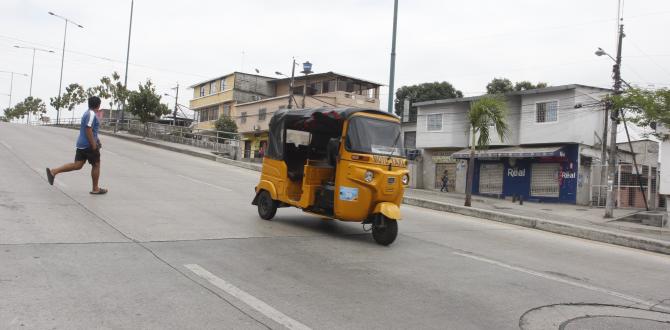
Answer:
(226, 144)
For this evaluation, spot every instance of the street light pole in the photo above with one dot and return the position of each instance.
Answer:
(176, 100)
(306, 69)
(392, 76)
(11, 83)
(32, 71)
(125, 80)
(611, 170)
(62, 61)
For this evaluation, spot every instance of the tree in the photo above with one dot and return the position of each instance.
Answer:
(489, 112)
(499, 86)
(228, 125)
(30, 105)
(73, 96)
(145, 104)
(111, 89)
(649, 107)
(504, 85)
(424, 92)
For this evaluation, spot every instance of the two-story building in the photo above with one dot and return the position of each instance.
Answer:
(219, 96)
(554, 137)
(328, 89)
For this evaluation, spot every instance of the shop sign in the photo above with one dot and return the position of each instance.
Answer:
(515, 172)
(568, 175)
(443, 157)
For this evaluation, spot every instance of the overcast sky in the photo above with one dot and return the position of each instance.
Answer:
(464, 42)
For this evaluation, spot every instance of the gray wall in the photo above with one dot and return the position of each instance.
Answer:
(247, 85)
(454, 133)
(573, 125)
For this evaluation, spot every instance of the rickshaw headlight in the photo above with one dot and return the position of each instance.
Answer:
(405, 179)
(368, 176)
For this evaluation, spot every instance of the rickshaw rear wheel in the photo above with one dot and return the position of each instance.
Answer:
(267, 207)
(384, 230)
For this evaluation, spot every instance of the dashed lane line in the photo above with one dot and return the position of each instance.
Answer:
(205, 183)
(246, 298)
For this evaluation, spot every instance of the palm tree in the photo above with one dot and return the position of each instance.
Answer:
(487, 113)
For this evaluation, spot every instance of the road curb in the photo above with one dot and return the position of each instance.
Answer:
(603, 236)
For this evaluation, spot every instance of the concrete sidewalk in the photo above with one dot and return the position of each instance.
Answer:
(573, 220)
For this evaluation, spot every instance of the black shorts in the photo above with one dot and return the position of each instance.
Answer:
(93, 157)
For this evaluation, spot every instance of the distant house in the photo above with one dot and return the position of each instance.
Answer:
(554, 139)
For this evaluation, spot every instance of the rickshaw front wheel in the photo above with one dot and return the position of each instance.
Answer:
(267, 207)
(384, 230)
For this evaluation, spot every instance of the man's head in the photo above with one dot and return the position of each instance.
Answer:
(94, 103)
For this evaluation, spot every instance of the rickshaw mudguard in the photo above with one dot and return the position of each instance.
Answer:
(265, 185)
(388, 209)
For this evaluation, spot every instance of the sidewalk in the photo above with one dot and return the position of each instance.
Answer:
(571, 220)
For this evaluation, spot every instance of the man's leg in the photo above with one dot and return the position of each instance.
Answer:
(77, 165)
(95, 175)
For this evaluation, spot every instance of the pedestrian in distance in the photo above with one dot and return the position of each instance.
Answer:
(88, 147)
(445, 182)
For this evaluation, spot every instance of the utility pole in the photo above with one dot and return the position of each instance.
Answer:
(392, 77)
(176, 100)
(306, 69)
(290, 85)
(32, 71)
(125, 80)
(611, 170)
(11, 83)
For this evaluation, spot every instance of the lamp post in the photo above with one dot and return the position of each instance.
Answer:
(62, 61)
(32, 70)
(11, 83)
(392, 74)
(290, 85)
(306, 70)
(125, 79)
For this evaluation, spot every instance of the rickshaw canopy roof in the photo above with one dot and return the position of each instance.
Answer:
(322, 120)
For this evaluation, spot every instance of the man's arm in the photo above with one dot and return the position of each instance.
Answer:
(91, 139)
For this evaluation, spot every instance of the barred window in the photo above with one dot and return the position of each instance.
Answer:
(226, 110)
(546, 112)
(434, 122)
(202, 90)
(261, 114)
(243, 117)
(212, 87)
(223, 84)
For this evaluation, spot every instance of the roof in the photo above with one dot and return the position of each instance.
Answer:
(299, 77)
(226, 75)
(518, 152)
(549, 89)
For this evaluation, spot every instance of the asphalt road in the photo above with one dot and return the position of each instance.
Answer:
(177, 245)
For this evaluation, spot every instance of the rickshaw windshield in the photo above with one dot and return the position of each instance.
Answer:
(374, 136)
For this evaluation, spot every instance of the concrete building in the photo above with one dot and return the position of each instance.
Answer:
(328, 89)
(554, 138)
(219, 96)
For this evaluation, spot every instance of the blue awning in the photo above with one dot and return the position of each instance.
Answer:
(512, 152)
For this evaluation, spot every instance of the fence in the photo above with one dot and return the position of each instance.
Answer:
(626, 186)
(226, 144)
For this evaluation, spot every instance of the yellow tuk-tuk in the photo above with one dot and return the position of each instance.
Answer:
(345, 164)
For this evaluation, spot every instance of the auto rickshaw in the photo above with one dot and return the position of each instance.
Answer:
(340, 163)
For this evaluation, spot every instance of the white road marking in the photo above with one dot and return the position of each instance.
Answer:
(246, 298)
(565, 281)
(110, 152)
(6, 145)
(205, 183)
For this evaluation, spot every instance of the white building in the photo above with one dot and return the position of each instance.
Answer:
(554, 138)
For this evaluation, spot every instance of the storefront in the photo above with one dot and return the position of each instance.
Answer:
(547, 174)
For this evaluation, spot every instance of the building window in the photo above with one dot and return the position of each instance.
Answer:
(226, 110)
(212, 87)
(202, 90)
(223, 84)
(261, 114)
(434, 122)
(546, 112)
(410, 140)
(243, 117)
(329, 86)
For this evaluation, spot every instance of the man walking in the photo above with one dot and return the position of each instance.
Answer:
(88, 147)
(445, 182)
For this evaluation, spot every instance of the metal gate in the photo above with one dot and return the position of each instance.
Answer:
(490, 178)
(544, 180)
(626, 186)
